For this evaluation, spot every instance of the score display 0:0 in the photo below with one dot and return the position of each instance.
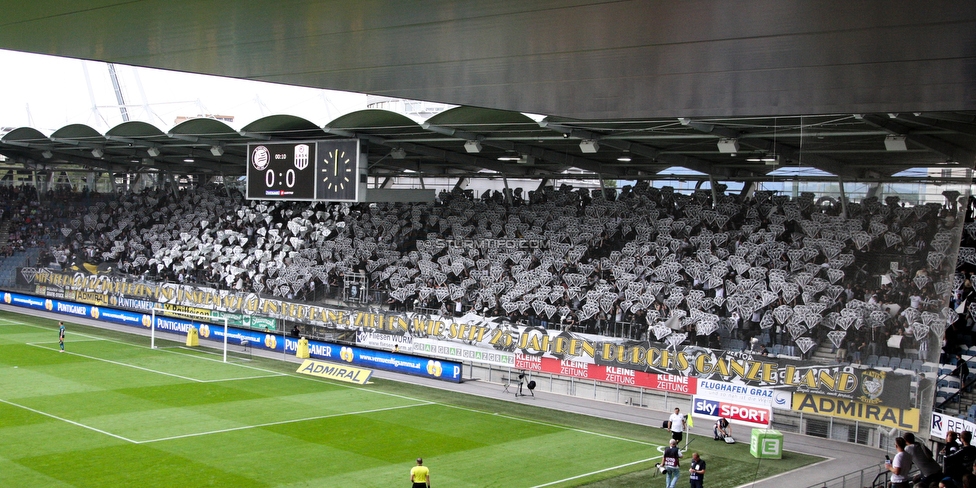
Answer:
(269, 178)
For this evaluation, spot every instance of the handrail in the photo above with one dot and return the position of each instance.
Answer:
(963, 386)
(857, 479)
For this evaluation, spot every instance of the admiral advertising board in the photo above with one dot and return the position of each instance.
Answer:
(900, 418)
(458, 338)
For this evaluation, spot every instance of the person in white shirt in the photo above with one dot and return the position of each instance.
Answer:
(900, 465)
(676, 424)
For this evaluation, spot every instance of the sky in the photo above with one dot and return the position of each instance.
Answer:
(47, 93)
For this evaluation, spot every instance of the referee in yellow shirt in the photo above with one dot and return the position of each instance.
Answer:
(420, 475)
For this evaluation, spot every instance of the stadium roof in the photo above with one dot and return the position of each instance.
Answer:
(466, 141)
(658, 82)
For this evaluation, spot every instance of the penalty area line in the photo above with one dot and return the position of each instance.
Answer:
(591, 473)
(149, 370)
(72, 422)
(282, 422)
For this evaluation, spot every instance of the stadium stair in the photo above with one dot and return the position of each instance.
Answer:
(4, 232)
(947, 384)
(822, 354)
(8, 268)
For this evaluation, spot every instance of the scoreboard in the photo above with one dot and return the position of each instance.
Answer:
(314, 170)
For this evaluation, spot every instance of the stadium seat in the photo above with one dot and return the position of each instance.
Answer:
(872, 360)
(883, 361)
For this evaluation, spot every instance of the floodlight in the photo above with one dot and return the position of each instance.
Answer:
(728, 145)
(97, 152)
(895, 143)
(153, 152)
(472, 146)
(589, 146)
(217, 150)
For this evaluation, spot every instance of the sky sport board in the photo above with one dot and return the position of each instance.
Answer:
(305, 170)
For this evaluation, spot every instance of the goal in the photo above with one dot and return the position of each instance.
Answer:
(197, 320)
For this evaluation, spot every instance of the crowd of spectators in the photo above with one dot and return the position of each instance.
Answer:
(769, 272)
(32, 220)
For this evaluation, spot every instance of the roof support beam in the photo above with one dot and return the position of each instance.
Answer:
(964, 156)
(783, 150)
(525, 149)
(431, 152)
(638, 149)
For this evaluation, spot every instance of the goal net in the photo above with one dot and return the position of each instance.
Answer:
(204, 326)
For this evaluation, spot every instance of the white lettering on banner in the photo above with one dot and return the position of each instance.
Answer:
(319, 350)
(744, 414)
(528, 363)
(121, 317)
(675, 383)
(573, 368)
(73, 309)
(166, 324)
(144, 305)
(621, 379)
(621, 375)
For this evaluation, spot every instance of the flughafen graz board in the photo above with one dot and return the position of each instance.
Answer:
(305, 170)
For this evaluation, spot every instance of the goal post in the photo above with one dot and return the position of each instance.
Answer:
(192, 317)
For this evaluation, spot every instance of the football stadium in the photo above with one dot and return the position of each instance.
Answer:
(554, 244)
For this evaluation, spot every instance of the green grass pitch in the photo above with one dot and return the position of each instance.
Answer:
(113, 412)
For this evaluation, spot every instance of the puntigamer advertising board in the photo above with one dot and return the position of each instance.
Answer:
(356, 356)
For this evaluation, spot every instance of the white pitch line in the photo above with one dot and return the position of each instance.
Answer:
(245, 378)
(103, 339)
(72, 422)
(571, 478)
(187, 378)
(56, 342)
(195, 380)
(280, 422)
(791, 472)
(557, 426)
(342, 385)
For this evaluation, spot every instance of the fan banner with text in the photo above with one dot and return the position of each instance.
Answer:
(461, 338)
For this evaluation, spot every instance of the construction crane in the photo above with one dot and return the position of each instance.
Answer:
(118, 92)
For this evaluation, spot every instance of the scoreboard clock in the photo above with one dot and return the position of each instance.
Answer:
(313, 170)
(337, 176)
